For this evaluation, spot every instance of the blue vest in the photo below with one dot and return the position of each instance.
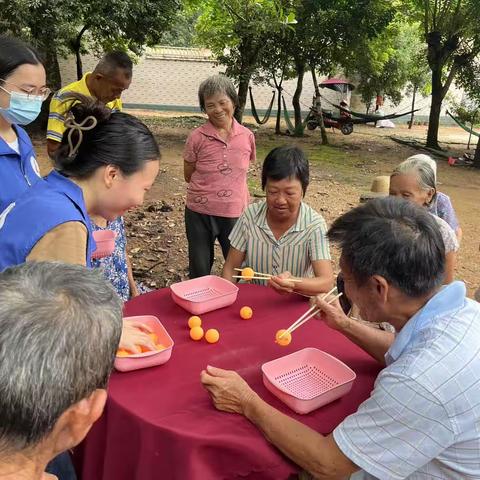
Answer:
(43, 207)
(18, 171)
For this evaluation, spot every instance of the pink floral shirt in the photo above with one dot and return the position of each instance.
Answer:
(219, 183)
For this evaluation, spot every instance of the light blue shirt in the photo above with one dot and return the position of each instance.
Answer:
(422, 420)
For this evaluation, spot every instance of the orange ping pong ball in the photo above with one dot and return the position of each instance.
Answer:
(212, 335)
(194, 321)
(248, 273)
(285, 340)
(246, 313)
(196, 333)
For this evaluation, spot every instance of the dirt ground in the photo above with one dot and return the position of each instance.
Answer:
(340, 173)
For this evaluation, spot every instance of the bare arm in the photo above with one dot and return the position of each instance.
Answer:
(235, 258)
(188, 169)
(372, 340)
(310, 450)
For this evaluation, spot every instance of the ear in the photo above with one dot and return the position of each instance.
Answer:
(75, 422)
(110, 174)
(380, 288)
(430, 194)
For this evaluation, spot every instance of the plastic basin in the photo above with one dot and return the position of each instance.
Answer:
(307, 379)
(147, 359)
(105, 240)
(204, 294)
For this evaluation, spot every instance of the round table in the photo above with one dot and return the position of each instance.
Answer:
(160, 423)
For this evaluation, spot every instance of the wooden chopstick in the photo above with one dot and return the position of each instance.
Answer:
(311, 312)
(295, 280)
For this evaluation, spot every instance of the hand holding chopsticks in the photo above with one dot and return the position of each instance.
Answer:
(310, 313)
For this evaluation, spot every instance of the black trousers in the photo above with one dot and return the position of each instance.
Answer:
(202, 231)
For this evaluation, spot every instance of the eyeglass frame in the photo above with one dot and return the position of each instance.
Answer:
(45, 94)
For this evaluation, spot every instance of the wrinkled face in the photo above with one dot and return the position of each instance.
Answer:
(219, 109)
(111, 87)
(405, 185)
(361, 295)
(283, 198)
(123, 193)
(24, 79)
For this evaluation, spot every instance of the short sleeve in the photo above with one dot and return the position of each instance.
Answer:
(238, 235)
(399, 429)
(56, 119)
(445, 210)
(65, 243)
(319, 245)
(190, 152)
(449, 237)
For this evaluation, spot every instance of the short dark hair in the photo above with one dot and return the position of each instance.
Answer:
(112, 61)
(15, 53)
(60, 326)
(118, 139)
(286, 162)
(394, 238)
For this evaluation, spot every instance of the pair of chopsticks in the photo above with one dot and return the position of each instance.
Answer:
(262, 276)
(310, 313)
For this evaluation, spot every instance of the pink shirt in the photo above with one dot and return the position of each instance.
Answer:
(219, 183)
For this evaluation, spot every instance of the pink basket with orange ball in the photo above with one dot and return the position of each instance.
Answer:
(152, 358)
(307, 379)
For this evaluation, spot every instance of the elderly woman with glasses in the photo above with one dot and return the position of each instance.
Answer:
(22, 91)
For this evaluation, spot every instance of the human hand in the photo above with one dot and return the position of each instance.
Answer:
(135, 334)
(331, 313)
(281, 283)
(228, 390)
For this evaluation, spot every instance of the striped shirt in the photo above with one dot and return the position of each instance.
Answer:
(59, 109)
(305, 242)
(422, 420)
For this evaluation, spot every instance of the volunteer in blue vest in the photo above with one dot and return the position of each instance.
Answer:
(104, 166)
(22, 91)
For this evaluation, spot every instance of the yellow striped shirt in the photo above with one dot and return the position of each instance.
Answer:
(305, 242)
(58, 110)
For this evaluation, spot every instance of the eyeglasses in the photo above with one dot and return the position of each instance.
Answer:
(44, 92)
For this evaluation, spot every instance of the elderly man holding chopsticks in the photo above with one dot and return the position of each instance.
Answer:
(422, 418)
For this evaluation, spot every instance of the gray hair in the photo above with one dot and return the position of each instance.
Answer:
(421, 167)
(60, 326)
(217, 84)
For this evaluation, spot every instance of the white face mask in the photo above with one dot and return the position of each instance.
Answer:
(23, 108)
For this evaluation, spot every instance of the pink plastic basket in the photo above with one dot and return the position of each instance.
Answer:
(204, 294)
(307, 379)
(105, 240)
(147, 359)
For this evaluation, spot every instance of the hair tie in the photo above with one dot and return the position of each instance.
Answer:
(81, 127)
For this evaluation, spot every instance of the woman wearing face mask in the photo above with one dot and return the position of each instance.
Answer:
(22, 91)
(104, 166)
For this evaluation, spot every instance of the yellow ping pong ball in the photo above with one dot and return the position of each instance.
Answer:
(212, 335)
(246, 313)
(285, 340)
(248, 273)
(196, 333)
(194, 321)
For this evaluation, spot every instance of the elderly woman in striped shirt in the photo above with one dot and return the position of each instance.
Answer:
(282, 235)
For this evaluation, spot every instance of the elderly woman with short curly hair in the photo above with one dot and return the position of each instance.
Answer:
(216, 160)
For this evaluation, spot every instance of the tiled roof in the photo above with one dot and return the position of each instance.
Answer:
(179, 53)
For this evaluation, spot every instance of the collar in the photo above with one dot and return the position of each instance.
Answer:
(450, 297)
(71, 190)
(83, 84)
(298, 226)
(209, 130)
(24, 143)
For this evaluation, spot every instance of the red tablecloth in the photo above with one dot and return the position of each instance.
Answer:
(160, 422)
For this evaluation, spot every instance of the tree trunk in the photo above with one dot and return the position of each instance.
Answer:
(300, 69)
(242, 97)
(77, 46)
(476, 158)
(435, 108)
(318, 107)
(410, 124)
(278, 86)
